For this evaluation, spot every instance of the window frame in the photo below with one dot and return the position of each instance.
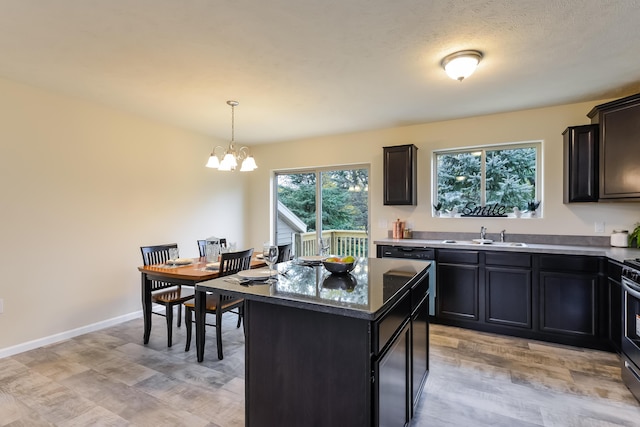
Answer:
(536, 144)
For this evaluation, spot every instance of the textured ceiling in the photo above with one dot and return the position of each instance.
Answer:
(303, 68)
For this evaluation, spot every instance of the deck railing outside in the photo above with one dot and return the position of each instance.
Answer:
(341, 242)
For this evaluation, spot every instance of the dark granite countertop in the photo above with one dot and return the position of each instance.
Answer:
(374, 285)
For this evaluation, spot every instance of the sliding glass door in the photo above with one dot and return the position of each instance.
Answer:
(327, 203)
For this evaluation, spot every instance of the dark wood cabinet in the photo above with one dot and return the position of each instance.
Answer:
(581, 152)
(571, 299)
(419, 348)
(400, 175)
(393, 394)
(508, 296)
(568, 303)
(614, 301)
(458, 285)
(619, 123)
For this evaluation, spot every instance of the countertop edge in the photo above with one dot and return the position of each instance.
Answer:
(613, 253)
(261, 293)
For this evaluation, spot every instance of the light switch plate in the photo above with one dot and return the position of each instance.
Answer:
(599, 227)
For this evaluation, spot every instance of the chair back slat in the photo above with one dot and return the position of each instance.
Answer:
(158, 254)
(232, 262)
(284, 252)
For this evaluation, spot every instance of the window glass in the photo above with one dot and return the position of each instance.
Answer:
(328, 204)
(501, 176)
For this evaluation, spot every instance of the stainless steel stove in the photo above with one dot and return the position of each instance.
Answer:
(631, 337)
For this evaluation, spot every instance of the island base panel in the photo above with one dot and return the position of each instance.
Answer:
(306, 367)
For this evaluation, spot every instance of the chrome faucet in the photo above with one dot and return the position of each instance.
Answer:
(483, 233)
(502, 235)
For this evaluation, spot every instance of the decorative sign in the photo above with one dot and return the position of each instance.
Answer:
(495, 210)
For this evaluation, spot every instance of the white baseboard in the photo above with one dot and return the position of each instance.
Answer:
(40, 342)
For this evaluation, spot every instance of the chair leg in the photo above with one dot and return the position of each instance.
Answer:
(187, 325)
(240, 315)
(219, 328)
(179, 314)
(169, 315)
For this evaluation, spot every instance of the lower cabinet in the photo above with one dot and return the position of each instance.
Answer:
(508, 297)
(392, 372)
(557, 298)
(614, 301)
(568, 303)
(419, 349)
(458, 285)
(401, 357)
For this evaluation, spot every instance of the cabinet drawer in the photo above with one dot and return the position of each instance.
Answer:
(386, 327)
(457, 256)
(567, 263)
(508, 259)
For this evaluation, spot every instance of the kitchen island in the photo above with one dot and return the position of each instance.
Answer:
(329, 350)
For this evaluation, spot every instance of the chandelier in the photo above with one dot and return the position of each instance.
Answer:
(232, 155)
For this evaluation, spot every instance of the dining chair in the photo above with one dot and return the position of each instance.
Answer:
(284, 253)
(202, 246)
(166, 294)
(218, 303)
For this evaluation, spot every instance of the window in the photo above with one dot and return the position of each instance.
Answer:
(332, 204)
(487, 181)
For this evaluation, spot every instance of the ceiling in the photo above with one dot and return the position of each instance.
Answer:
(304, 68)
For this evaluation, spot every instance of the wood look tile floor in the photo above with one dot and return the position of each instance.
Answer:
(109, 378)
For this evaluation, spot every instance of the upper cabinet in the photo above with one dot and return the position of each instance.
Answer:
(619, 123)
(400, 175)
(581, 164)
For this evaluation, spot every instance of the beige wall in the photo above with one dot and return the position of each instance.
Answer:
(83, 187)
(544, 124)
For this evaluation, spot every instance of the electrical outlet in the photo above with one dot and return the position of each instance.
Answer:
(382, 223)
(1, 306)
(599, 226)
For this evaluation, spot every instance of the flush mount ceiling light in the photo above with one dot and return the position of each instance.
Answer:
(231, 156)
(461, 65)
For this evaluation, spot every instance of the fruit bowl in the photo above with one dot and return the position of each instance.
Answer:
(338, 265)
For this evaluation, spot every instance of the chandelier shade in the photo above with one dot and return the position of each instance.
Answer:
(231, 156)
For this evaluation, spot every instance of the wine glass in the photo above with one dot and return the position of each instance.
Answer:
(323, 245)
(270, 255)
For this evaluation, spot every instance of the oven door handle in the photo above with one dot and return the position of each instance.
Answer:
(631, 288)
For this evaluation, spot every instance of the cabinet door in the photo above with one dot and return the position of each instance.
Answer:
(457, 295)
(419, 349)
(508, 297)
(614, 299)
(581, 164)
(619, 149)
(568, 303)
(400, 170)
(392, 373)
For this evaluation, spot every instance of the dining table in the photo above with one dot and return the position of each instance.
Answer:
(198, 270)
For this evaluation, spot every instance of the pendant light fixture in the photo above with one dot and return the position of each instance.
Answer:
(461, 65)
(232, 156)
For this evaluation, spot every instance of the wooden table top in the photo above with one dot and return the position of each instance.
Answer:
(195, 271)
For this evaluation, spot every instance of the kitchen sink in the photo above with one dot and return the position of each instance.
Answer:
(484, 242)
